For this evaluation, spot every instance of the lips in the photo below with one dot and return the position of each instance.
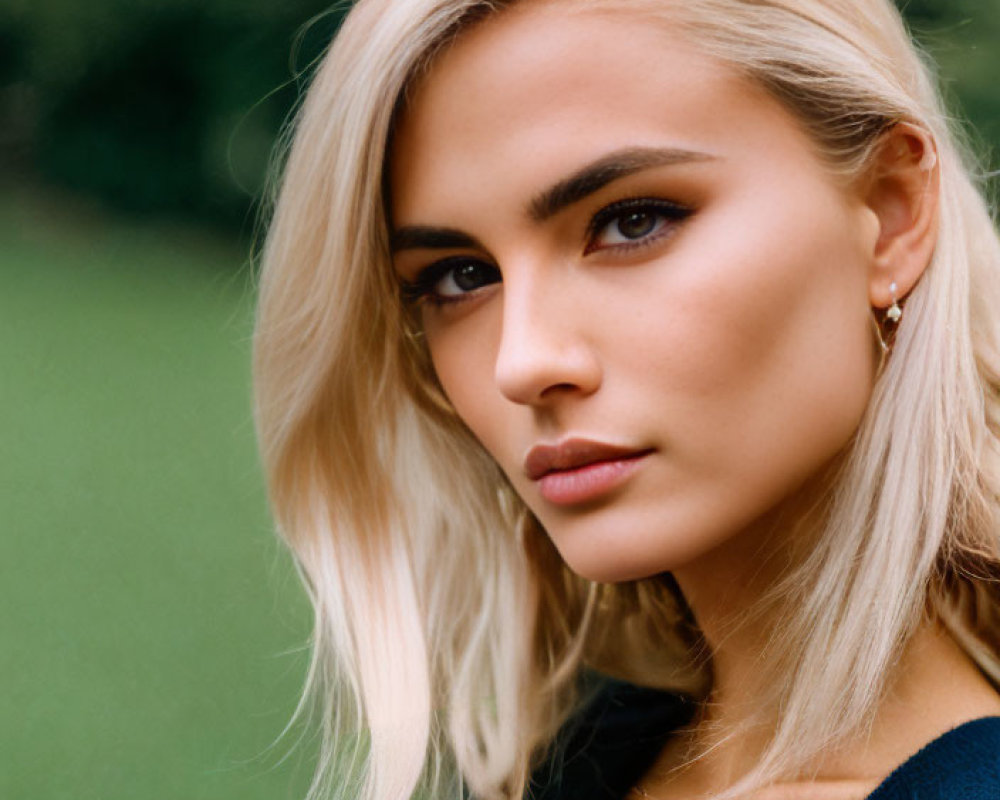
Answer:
(574, 454)
(579, 471)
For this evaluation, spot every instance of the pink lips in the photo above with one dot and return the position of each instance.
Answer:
(578, 470)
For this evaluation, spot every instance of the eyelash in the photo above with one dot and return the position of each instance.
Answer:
(671, 213)
(422, 289)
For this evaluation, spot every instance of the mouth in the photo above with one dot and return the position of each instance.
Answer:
(579, 470)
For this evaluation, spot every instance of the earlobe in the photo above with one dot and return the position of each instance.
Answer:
(902, 192)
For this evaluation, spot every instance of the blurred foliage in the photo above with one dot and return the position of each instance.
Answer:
(172, 106)
(963, 37)
(156, 107)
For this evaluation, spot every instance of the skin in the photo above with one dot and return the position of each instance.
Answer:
(736, 343)
(720, 325)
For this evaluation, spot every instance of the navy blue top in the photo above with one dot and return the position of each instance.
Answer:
(602, 753)
(963, 764)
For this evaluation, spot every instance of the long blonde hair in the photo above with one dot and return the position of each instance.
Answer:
(448, 635)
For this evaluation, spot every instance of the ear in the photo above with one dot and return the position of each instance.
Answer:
(902, 189)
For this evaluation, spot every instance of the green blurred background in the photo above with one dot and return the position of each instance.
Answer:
(152, 631)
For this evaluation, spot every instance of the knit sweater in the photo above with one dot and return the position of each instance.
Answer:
(963, 764)
(607, 749)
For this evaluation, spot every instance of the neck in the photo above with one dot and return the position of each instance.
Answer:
(932, 688)
(731, 592)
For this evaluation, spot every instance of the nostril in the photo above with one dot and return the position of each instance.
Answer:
(539, 374)
(559, 388)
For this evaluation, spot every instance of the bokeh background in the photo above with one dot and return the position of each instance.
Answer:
(152, 632)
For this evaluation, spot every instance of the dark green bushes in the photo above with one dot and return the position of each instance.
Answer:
(155, 108)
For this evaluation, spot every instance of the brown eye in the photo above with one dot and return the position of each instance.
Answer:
(470, 276)
(458, 277)
(636, 224)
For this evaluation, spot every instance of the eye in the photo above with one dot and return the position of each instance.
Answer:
(451, 280)
(462, 277)
(635, 222)
(631, 226)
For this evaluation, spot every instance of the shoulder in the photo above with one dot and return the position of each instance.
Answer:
(963, 763)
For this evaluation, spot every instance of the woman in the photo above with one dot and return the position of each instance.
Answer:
(641, 339)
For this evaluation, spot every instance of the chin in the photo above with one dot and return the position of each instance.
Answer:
(607, 563)
(631, 547)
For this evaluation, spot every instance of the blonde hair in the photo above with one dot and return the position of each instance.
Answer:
(448, 635)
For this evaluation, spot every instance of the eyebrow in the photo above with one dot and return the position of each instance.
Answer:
(584, 182)
(609, 168)
(425, 237)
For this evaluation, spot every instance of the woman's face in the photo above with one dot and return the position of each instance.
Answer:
(641, 290)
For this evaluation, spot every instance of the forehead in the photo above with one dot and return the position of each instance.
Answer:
(543, 87)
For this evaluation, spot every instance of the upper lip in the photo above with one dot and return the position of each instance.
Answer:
(573, 454)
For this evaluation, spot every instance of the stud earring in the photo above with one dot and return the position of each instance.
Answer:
(886, 324)
(895, 313)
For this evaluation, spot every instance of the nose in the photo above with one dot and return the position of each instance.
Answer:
(545, 347)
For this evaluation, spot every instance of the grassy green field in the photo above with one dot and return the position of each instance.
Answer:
(152, 629)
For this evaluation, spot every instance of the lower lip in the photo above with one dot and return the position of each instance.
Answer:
(576, 486)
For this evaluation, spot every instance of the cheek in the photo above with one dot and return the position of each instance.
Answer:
(769, 355)
(464, 358)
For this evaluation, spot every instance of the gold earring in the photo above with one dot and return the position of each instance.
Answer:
(886, 324)
(895, 313)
